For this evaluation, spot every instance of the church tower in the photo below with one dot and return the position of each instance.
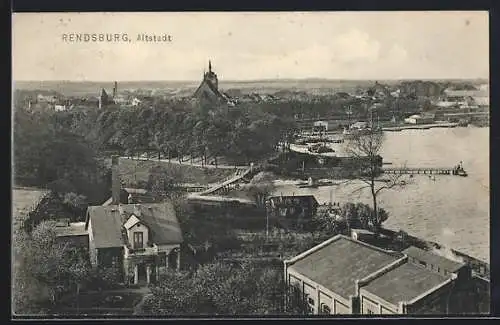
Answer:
(211, 76)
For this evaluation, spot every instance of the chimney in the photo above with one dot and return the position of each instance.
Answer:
(115, 89)
(137, 210)
(115, 180)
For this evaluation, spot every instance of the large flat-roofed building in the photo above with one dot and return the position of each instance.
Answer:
(326, 275)
(347, 276)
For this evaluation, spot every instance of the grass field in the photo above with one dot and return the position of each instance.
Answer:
(24, 201)
(136, 171)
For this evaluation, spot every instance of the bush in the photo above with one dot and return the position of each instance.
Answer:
(105, 278)
(219, 289)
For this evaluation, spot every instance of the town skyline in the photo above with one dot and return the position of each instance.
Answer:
(222, 81)
(278, 46)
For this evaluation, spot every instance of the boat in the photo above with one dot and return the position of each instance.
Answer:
(459, 170)
(353, 132)
(320, 148)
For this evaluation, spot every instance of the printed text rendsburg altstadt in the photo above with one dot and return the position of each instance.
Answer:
(116, 38)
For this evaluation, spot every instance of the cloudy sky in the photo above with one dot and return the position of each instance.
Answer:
(246, 46)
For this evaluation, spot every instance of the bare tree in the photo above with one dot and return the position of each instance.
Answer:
(261, 187)
(366, 166)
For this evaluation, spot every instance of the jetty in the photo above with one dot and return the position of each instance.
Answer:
(426, 170)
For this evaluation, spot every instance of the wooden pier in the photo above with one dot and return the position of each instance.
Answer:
(421, 170)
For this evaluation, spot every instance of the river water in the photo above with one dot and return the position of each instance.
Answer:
(450, 210)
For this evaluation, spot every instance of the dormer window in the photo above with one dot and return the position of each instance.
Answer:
(138, 240)
(137, 232)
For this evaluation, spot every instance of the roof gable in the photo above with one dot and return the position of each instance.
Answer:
(132, 221)
(106, 226)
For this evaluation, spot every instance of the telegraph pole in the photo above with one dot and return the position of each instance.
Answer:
(268, 206)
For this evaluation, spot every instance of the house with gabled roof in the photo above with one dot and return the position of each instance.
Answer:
(142, 239)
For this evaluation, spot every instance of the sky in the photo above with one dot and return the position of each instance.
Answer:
(253, 46)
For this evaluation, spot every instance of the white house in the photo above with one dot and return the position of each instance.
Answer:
(359, 126)
(419, 119)
(136, 101)
(322, 125)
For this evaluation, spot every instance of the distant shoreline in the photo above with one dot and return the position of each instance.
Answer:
(473, 80)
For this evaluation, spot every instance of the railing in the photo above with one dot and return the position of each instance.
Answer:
(141, 251)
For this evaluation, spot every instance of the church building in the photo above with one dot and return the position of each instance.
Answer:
(208, 91)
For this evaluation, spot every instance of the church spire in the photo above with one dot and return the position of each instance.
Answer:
(209, 66)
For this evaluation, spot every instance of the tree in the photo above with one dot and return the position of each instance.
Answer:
(219, 289)
(45, 267)
(362, 216)
(164, 181)
(260, 187)
(366, 166)
(48, 154)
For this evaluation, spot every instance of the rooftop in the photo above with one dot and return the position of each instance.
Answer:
(160, 218)
(73, 229)
(295, 198)
(404, 283)
(432, 258)
(341, 262)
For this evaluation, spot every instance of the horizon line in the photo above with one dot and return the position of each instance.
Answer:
(258, 80)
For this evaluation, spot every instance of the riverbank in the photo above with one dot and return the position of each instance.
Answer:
(421, 126)
(451, 210)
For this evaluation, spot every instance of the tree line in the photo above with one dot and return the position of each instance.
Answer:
(178, 129)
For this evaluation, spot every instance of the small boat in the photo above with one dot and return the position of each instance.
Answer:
(460, 172)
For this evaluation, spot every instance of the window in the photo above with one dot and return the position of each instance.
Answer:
(325, 310)
(138, 240)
